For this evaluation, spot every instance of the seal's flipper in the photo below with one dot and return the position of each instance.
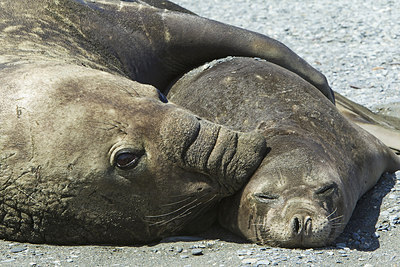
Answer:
(157, 46)
(385, 128)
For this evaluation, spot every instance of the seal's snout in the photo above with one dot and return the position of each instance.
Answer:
(301, 225)
(228, 157)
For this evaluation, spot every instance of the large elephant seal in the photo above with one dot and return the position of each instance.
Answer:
(85, 155)
(319, 163)
(137, 39)
(90, 157)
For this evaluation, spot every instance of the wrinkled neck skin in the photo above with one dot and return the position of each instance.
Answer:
(140, 40)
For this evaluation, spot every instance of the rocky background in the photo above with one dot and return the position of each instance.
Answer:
(356, 44)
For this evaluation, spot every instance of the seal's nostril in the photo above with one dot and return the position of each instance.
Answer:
(308, 226)
(296, 226)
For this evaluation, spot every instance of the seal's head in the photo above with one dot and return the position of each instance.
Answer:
(90, 157)
(295, 199)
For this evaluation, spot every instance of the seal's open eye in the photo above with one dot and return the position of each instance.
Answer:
(126, 159)
(265, 197)
(162, 97)
(327, 189)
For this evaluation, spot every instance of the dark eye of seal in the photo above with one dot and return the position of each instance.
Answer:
(126, 160)
(162, 97)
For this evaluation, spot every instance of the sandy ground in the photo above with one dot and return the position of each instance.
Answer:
(356, 44)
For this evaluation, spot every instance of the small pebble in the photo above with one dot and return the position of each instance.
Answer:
(385, 213)
(249, 261)
(263, 262)
(18, 249)
(197, 252)
(241, 252)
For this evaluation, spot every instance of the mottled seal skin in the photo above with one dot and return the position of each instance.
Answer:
(137, 39)
(319, 163)
(90, 157)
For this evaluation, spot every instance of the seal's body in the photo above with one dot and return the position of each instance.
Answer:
(90, 157)
(318, 165)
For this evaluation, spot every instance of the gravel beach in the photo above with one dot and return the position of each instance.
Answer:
(356, 44)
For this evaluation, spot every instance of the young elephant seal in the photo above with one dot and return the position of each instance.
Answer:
(319, 163)
(90, 157)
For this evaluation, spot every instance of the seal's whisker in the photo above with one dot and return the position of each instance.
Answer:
(206, 205)
(336, 218)
(331, 213)
(337, 225)
(185, 213)
(194, 194)
(181, 215)
(172, 212)
(175, 203)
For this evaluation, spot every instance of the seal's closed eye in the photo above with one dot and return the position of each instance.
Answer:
(126, 159)
(327, 189)
(265, 197)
